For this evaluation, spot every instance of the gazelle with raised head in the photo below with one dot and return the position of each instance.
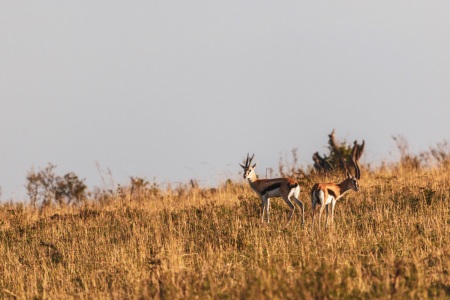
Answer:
(286, 188)
(325, 194)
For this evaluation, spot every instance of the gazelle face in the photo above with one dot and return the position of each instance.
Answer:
(248, 168)
(248, 172)
(355, 184)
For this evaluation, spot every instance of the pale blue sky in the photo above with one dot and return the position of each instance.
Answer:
(184, 89)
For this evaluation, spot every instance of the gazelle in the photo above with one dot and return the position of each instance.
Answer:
(286, 188)
(324, 194)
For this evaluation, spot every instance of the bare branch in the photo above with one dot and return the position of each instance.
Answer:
(335, 148)
(341, 156)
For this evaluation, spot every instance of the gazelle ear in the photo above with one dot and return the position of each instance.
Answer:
(255, 165)
(242, 166)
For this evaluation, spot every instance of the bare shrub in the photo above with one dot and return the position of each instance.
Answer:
(407, 160)
(45, 188)
(339, 157)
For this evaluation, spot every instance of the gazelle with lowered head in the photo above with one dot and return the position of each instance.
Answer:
(325, 194)
(286, 188)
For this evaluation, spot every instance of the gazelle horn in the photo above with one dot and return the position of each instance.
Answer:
(250, 161)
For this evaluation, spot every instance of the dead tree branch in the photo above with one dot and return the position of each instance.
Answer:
(340, 157)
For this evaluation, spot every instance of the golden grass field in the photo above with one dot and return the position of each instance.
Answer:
(390, 240)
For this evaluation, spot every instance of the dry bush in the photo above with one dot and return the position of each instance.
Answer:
(391, 240)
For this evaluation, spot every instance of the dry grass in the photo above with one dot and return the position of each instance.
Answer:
(391, 240)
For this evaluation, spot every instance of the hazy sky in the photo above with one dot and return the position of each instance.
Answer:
(175, 90)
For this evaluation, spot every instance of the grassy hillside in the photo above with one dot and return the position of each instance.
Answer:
(392, 239)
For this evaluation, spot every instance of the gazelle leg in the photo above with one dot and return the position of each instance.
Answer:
(333, 203)
(326, 219)
(263, 208)
(313, 210)
(320, 214)
(268, 208)
(300, 203)
(291, 206)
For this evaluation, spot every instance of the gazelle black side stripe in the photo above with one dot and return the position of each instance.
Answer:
(271, 188)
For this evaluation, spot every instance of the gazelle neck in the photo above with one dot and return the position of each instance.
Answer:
(344, 186)
(252, 177)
